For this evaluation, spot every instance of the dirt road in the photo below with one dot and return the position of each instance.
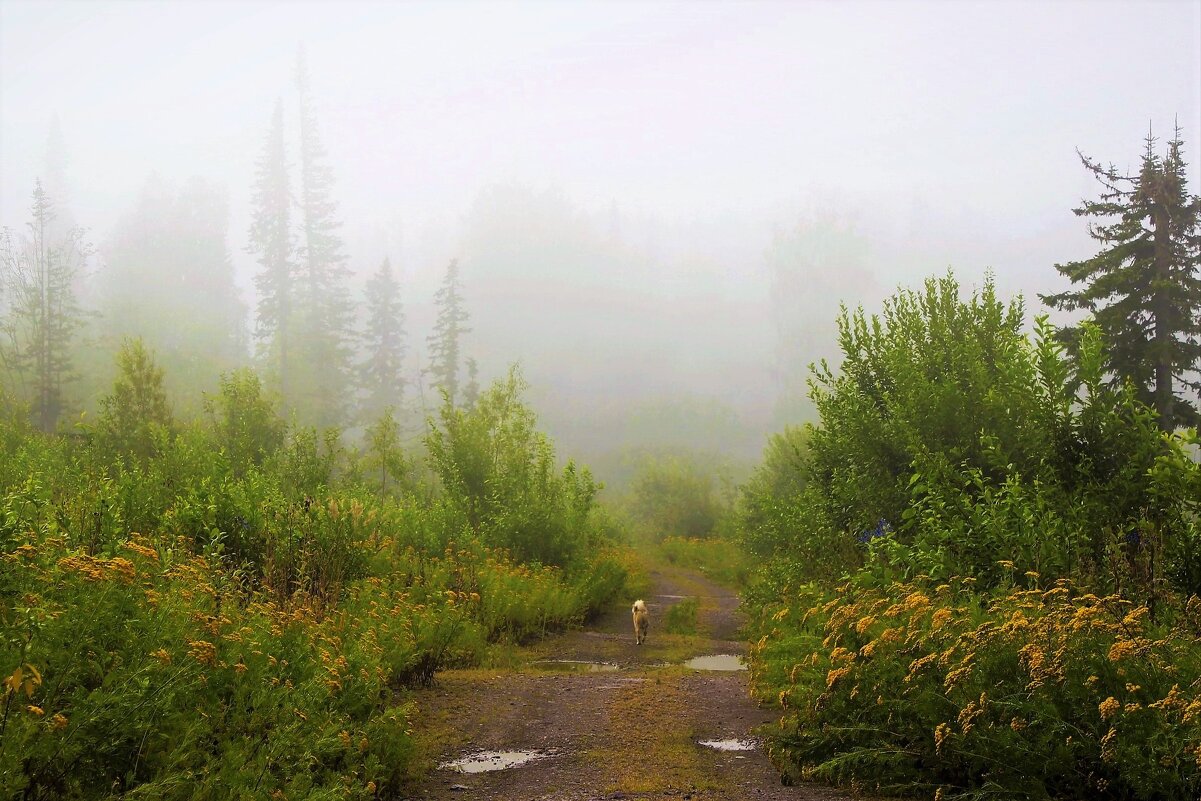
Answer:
(608, 719)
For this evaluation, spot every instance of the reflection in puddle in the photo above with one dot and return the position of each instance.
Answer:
(485, 761)
(730, 745)
(575, 666)
(716, 662)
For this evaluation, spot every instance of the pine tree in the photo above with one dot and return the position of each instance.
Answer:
(325, 310)
(1144, 288)
(272, 243)
(471, 392)
(384, 340)
(40, 313)
(445, 341)
(56, 183)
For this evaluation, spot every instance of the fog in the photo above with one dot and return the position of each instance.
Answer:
(657, 207)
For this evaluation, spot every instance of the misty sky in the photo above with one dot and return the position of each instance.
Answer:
(946, 130)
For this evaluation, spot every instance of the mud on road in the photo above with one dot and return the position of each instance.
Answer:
(609, 719)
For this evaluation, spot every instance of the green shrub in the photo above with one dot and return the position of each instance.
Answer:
(501, 475)
(681, 617)
(1025, 693)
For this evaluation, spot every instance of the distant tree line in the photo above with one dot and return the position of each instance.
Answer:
(167, 277)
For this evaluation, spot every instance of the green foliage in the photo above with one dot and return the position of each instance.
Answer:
(681, 617)
(445, 343)
(258, 635)
(135, 419)
(380, 374)
(499, 473)
(956, 461)
(385, 464)
(674, 496)
(719, 558)
(1144, 288)
(39, 315)
(245, 420)
(1022, 693)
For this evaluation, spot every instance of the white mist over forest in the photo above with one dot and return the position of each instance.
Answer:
(657, 208)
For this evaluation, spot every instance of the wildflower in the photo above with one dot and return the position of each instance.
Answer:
(162, 656)
(1006, 563)
(141, 550)
(1135, 616)
(1170, 701)
(122, 569)
(1121, 649)
(956, 676)
(36, 711)
(841, 654)
(941, 732)
(344, 736)
(1108, 708)
(940, 618)
(203, 652)
(58, 722)
(916, 601)
(240, 667)
(371, 787)
(836, 674)
(883, 529)
(1017, 724)
(1107, 745)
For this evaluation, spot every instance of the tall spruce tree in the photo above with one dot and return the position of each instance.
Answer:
(271, 242)
(380, 374)
(325, 311)
(1144, 287)
(445, 342)
(39, 311)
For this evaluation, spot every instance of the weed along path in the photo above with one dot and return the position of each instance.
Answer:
(589, 715)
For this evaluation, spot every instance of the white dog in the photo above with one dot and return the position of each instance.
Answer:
(642, 621)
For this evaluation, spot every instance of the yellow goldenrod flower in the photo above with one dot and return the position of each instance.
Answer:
(1121, 649)
(58, 722)
(941, 732)
(36, 711)
(940, 618)
(1108, 708)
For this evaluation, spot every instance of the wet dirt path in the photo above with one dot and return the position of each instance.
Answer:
(629, 730)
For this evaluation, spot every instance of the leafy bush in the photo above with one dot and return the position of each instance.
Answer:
(956, 462)
(500, 474)
(681, 617)
(718, 558)
(673, 496)
(257, 637)
(1025, 693)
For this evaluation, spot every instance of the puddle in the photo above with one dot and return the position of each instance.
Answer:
(575, 666)
(716, 662)
(486, 761)
(673, 597)
(730, 745)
